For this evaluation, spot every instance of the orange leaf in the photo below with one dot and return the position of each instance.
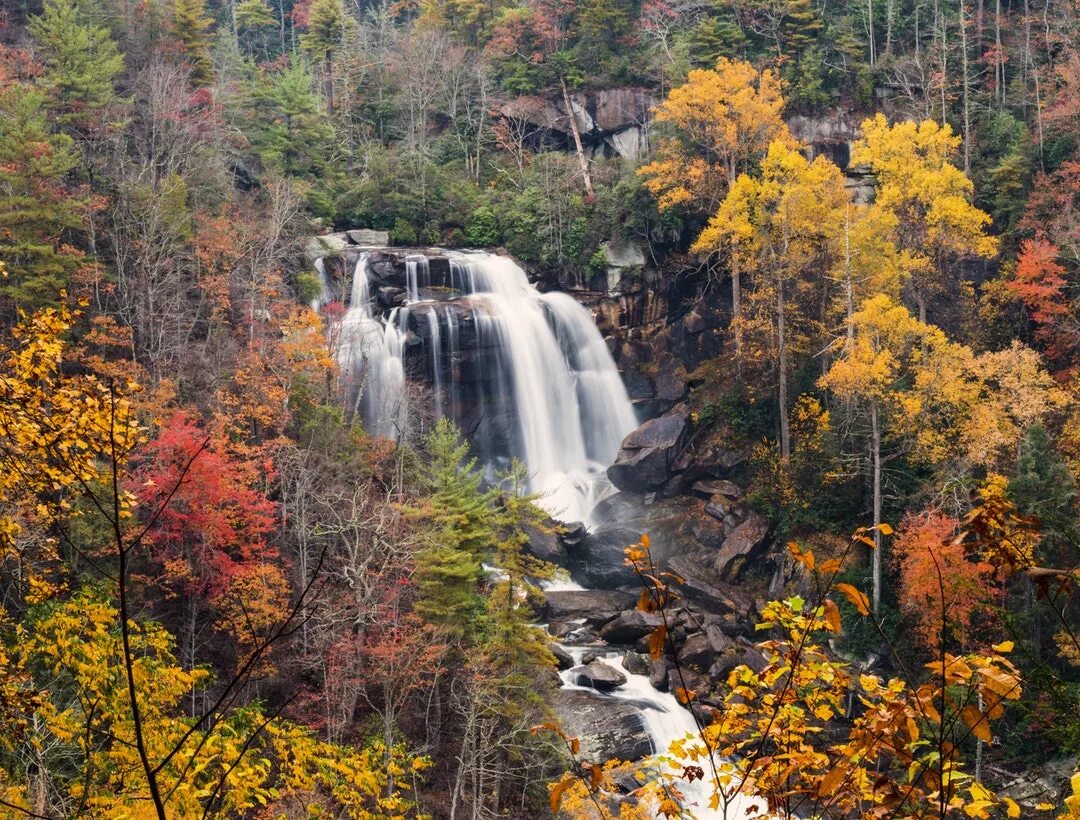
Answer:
(557, 789)
(656, 642)
(684, 696)
(975, 721)
(575, 746)
(832, 616)
(857, 598)
(830, 781)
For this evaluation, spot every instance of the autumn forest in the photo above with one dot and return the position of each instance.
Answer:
(596, 409)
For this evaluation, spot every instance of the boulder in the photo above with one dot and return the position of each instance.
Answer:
(636, 663)
(628, 626)
(647, 456)
(563, 658)
(545, 544)
(741, 544)
(318, 246)
(697, 652)
(658, 674)
(717, 487)
(607, 728)
(619, 108)
(718, 639)
(573, 533)
(369, 237)
(685, 678)
(598, 675)
(595, 605)
(598, 561)
(703, 587)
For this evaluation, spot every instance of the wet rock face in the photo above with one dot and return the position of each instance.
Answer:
(607, 728)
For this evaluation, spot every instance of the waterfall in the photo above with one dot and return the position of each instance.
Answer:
(551, 381)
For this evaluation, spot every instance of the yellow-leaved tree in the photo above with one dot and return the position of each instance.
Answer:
(714, 126)
(925, 199)
(786, 225)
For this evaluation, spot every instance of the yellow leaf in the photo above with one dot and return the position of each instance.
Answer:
(1003, 647)
(1011, 809)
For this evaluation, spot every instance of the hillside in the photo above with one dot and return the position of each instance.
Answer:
(538, 408)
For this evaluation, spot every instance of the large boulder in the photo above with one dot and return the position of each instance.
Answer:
(705, 589)
(697, 652)
(745, 540)
(647, 456)
(628, 626)
(594, 605)
(545, 544)
(599, 560)
(331, 243)
(598, 675)
(608, 729)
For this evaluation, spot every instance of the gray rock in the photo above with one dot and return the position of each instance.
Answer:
(622, 254)
(647, 456)
(565, 659)
(658, 674)
(697, 652)
(703, 587)
(369, 237)
(743, 542)
(545, 544)
(693, 322)
(595, 605)
(598, 675)
(598, 561)
(628, 626)
(717, 486)
(319, 246)
(608, 729)
(636, 663)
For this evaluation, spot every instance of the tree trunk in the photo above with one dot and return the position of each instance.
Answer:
(966, 89)
(582, 161)
(875, 448)
(870, 24)
(781, 340)
(736, 312)
(330, 83)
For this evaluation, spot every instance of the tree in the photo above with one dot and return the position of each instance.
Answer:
(785, 226)
(37, 208)
(461, 535)
(234, 763)
(941, 589)
(327, 25)
(719, 122)
(876, 369)
(927, 197)
(191, 27)
(81, 60)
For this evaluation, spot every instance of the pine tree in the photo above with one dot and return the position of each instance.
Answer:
(715, 37)
(36, 207)
(328, 23)
(191, 27)
(460, 514)
(802, 26)
(81, 60)
(288, 128)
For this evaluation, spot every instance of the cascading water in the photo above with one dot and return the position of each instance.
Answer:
(553, 378)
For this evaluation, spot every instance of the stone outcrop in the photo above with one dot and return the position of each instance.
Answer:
(607, 728)
(627, 627)
(595, 605)
(741, 544)
(648, 455)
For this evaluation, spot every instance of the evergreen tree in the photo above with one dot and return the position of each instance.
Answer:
(516, 647)
(289, 128)
(462, 534)
(714, 37)
(81, 61)
(1043, 488)
(802, 26)
(328, 23)
(36, 207)
(191, 27)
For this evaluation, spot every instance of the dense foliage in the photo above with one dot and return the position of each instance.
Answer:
(220, 596)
